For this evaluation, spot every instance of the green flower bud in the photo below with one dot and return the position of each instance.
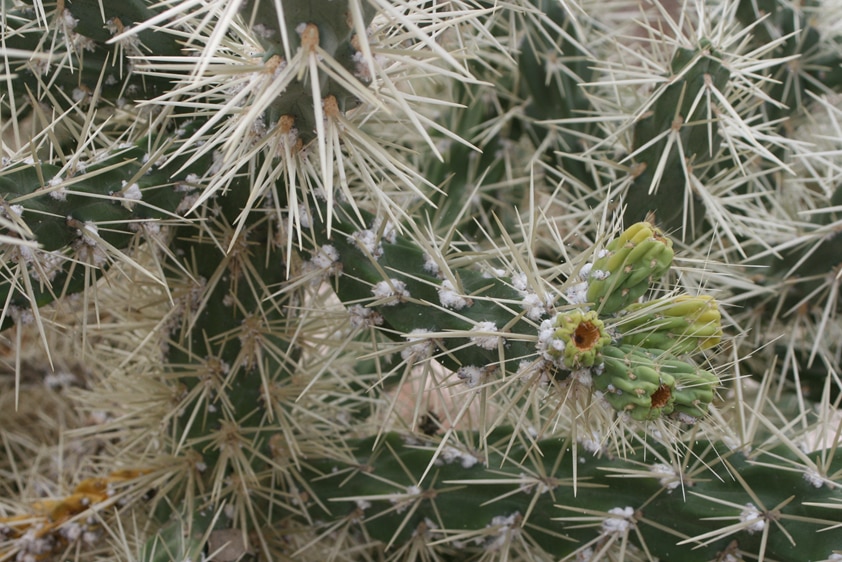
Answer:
(649, 385)
(681, 324)
(574, 339)
(627, 267)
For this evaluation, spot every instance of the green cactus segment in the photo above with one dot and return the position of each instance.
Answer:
(519, 493)
(818, 67)
(661, 185)
(82, 63)
(475, 319)
(680, 324)
(649, 386)
(627, 266)
(81, 220)
(576, 340)
(324, 25)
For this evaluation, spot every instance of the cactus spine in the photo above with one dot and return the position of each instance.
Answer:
(262, 225)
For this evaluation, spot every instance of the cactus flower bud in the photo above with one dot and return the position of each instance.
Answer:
(627, 267)
(680, 324)
(648, 386)
(577, 339)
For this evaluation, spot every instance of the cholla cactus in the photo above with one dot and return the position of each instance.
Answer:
(346, 279)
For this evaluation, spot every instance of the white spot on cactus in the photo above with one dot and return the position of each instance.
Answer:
(504, 526)
(753, 518)
(620, 520)
(421, 346)
(89, 233)
(68, 21)
(686, 418)
(591, 441)
(585, 271)
(263, 31)
(387, 231)
(534, 307)
(15, 211)
(362, 317)
(393, 291)
(814, 478)
(577, 293)
(471, 375)
(452, 454)
(327, 259)
(304, 217)
(79, 95)
(599, 274)
(450, 298)
(366, 240)
(430, 265)
(130, 194)
(549, 346)
(519, 282)
(362, 505)
(486, 339)
(667, 476)
(21, 316)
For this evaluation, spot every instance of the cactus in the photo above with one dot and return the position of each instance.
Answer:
(348, 280)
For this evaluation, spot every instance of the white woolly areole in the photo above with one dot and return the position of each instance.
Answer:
(89, 233)
(487, 340)
(577, 293)
(814, 478)
(505, 525)
(430, 265)
(393, 288)
(362, 317)
(751, 515)
(548, 342)
(389, 231)
(451, 454)
(471, 375)
(599, 274)
(585, 271)
(367, 241)
(534, 306)
(14, 211)
(450, 298)
(621, 521)
(668, 477)
(422, 346)
(519, 282)
(132, 192)
(326, 257)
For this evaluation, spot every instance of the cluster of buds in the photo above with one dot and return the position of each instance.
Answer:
(641, 365)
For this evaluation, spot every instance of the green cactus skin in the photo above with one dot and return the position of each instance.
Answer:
(90, 67)
(233, 350)
(680, 324)
(648, 386)
(115, 196)
(333, 31)
(817, 69)
(698, 137)
(537, 499)
(628, 266)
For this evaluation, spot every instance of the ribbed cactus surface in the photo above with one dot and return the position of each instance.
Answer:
(367, 279)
